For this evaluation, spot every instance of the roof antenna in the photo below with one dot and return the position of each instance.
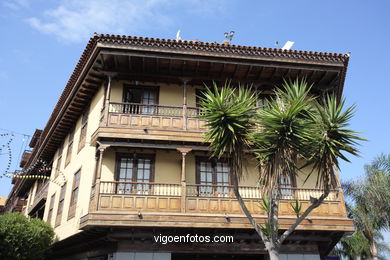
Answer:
(229, 37)
(178, 36)
(288, 45)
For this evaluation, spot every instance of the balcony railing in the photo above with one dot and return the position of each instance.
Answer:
(145, 109)
(200, 190)
(135, 115)
(140, 188)
(210, 199)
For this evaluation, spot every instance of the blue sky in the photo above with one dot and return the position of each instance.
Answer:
(41, 42)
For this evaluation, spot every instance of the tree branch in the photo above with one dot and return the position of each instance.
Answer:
(314, 205)
(246, 211)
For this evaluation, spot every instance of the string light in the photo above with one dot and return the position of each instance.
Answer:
(23, 174)
(7, 145)
(40, 165)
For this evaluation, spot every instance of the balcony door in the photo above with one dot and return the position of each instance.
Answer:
(134, 173)
(140, 99)
(212, 178)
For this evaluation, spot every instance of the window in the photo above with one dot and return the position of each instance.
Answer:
(83, 131)
(141, 99)
(287, 183)
(75, 193)
(59, 159)
(212, 177)
(50, 214)
(70, 147)
(134, 168)
(261, 102)
(60, 205)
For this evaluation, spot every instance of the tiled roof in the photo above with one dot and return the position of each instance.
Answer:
(219, 48)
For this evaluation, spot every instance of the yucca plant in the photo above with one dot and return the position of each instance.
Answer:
(230, 114)
(294, 127)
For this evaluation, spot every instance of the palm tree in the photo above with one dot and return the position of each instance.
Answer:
(352, 247)
(357, 246)
(370, 207)
(293, 126)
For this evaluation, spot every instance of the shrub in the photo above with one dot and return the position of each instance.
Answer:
(24, 238)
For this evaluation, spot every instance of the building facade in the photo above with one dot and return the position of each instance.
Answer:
(129, 163)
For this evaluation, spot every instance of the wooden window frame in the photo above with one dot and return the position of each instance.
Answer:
(141, 107)
(142, 87)
(51, 208)
(70, 147)
(119, 156)
(73, 200)
(83, 129)
(59, 161)
(61, 202)
(198, 160)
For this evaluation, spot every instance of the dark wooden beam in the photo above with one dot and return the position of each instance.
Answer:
(305, 65)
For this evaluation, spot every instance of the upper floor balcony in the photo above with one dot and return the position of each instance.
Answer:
(154, 117)
(158, 112)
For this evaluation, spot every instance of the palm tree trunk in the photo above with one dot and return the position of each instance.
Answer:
(268, 245)
(273, 254)
(373, 250)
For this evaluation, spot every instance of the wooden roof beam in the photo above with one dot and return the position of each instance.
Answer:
(255, 62)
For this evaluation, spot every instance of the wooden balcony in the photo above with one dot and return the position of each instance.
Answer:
(39, 199)
(166, 204)
(133, 120)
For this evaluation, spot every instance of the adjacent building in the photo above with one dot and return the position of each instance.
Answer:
(129, 162)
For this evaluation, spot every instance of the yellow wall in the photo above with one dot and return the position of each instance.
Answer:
(84, 160)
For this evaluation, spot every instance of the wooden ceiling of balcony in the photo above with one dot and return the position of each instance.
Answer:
(199, 71)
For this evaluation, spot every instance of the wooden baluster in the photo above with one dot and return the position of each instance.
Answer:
(98, 175)
(184, 152)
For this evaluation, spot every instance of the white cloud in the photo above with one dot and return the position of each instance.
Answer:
(16, 4)
(75, 20)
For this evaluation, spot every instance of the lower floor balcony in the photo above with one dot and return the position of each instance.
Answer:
(204, 206)
(183, 187)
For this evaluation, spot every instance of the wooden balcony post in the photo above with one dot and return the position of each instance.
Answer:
(183, 191)
(101, 149)
(185, 81)
(107, 101)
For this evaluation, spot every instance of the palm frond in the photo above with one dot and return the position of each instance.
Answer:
(230, 116)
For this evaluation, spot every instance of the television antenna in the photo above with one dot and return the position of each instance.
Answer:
(229, 36)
